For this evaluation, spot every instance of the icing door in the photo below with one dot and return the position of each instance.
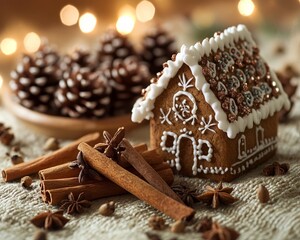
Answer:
(186, 149)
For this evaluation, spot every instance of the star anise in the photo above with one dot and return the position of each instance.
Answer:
(72, 205)
(86, 172)
(185, 193)
(217, 196)
(113, 149)
(218, 232)
(50, 220)
(153, 236)
(276, 169)
(204, 224)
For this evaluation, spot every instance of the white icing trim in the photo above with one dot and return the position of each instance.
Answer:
(190, 56)
(247, 162)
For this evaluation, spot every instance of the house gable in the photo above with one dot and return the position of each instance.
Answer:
(182, 117)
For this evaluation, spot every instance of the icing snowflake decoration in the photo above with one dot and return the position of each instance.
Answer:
(184, 103)
(165, 117)
(206, 125)
(184, 107)
(185, 84)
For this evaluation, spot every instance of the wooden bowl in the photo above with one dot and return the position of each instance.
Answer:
(63, 127)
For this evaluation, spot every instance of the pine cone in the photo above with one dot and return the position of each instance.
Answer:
(290, 89)
(35, 80)
(158, 47)
(114, 45)
(80, 57)
(127, 78)
(83, 93)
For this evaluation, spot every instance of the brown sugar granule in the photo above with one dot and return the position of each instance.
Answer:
(26, 182)
(40, 235)
(157, 223)
(107, 209)
(51, 144)
(263, 194)
(16, 159)
(178, 226)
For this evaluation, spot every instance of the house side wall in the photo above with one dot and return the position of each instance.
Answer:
(260, 145)
(158, 124)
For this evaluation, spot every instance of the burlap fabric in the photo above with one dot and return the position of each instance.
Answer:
(279, 219)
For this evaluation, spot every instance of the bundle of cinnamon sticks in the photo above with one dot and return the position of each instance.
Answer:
(122, 168)
(57, 182)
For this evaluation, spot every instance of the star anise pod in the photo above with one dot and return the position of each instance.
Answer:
(86, 172)
(152, 236)
(185, 193)
(276, 169)
(73, 205)
(204, 224)
(50, 220)
(113, 149)
(217, 196)
(218, 232)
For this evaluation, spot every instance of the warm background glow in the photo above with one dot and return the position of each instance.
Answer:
(8, 46)
(126, 20)
(1, 81)
(145, 11)
(69, 15)
(246, 7)
(32, 42)
(87, 22)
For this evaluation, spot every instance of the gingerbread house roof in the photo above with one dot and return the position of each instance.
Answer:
(237, 83)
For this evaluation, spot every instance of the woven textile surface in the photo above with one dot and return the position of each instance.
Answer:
(279, 219)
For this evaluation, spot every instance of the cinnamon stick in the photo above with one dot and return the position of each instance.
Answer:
(138, 162)
(63, 155)
(64, 171)
(60, 171)
(135, 185)
(91, 191)
(62, 181)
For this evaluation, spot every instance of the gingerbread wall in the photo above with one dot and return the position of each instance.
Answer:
(224, 150)
(260, 145)
(215, 137)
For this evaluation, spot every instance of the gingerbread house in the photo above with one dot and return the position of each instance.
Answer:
(213, 108)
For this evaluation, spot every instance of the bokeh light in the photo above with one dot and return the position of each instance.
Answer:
(8, 46)
(145, 11)
(69, 15)
(246, 7)
(126, 20)
(32, 42)
(1, 81)
(87, 22)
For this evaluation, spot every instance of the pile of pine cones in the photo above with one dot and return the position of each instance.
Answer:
(83, 85)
